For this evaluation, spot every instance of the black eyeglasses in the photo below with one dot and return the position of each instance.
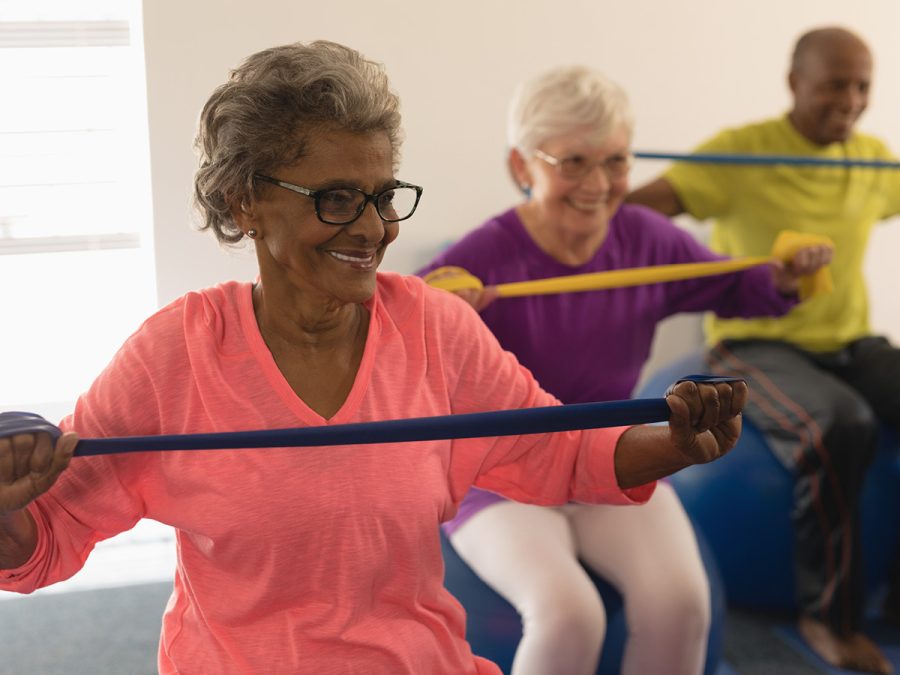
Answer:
(342, 206)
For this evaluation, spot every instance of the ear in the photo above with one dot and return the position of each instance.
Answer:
(792, 82)
(242, 214)
(518, 169)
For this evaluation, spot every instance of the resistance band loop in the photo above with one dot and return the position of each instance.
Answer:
(724, 158)
(472, 425)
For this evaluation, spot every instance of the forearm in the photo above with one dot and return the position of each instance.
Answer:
(645, 454)
(754, 293)
(18, 538)
(659, 196)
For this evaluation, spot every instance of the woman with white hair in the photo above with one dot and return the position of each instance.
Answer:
(569, 134)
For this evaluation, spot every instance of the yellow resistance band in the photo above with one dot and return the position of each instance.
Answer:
(786, 246)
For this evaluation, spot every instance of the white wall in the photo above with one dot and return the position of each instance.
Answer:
(690, 68)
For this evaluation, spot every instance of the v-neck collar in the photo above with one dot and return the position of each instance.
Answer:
(349, 408)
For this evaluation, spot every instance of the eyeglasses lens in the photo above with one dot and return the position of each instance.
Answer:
(343, 205)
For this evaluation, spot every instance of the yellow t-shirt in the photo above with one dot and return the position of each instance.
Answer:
(751, 204)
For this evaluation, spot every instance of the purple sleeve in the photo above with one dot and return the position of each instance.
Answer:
(741, 294)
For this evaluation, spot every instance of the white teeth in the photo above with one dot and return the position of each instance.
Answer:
(352, 259)
(587, 206)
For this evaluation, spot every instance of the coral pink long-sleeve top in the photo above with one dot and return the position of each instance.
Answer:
(307, 560)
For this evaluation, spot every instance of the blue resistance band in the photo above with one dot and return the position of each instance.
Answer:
(723, 158)
(472, 425)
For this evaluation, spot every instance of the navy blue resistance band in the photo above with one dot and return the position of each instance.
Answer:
(472, 425)
(724, 158)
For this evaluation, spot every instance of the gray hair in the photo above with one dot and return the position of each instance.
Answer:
(264, 115)
(564, 100)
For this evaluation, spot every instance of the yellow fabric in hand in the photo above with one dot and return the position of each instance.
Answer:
(453, 279)
(785, 248)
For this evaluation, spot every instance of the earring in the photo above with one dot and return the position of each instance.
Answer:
(252, 233)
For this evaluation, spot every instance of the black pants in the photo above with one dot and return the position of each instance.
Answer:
(821, 413)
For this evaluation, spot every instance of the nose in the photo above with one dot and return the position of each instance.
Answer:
(860, 99)
(597, 176)
(369, 226)
(853, 98)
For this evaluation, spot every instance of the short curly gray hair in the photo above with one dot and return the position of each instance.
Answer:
(262, 117)
(564, 100)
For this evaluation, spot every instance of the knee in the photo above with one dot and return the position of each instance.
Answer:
(574, 622)
(679, 609)
(854, 428)
(855, 413)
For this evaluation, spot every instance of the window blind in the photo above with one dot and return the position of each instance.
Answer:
(67, 137)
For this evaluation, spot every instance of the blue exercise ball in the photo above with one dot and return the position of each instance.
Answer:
(742, 504)
(493, 627)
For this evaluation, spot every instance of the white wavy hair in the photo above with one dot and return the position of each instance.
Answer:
(564, 100)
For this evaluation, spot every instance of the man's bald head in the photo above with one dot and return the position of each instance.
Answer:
(818, 43)
(831, 70)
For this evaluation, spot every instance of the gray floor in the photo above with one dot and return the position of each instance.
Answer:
(107, 631)
(116, 631)
(751, 648)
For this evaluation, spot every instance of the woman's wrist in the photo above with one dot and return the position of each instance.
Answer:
(18, 538)
(645, 454)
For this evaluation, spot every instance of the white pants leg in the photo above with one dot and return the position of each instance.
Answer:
(650, 554)
(529, 555)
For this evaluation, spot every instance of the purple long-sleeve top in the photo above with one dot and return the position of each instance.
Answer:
(591, 346)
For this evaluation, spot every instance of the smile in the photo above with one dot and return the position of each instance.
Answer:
(588, 205)
(359, 260)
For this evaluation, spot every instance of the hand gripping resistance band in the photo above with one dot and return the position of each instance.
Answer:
(472, 425)
(797, 160)
(785, 247)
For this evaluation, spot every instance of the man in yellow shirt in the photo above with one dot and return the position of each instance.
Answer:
(821, 383)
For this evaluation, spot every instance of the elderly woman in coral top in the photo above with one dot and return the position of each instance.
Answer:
(314, 560)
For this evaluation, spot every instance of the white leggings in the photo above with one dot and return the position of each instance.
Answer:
(529, 555)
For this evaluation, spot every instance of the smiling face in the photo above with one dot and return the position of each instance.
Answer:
(579, 207)
(830, 84)
(331, 264)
